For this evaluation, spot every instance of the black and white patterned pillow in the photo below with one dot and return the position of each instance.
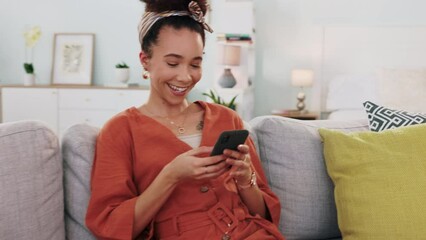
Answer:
(381, 118)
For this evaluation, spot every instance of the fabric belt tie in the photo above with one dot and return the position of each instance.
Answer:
(219, 215)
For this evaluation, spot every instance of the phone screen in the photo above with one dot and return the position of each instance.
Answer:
(229, 140)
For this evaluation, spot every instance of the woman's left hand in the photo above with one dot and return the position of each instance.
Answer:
(242, 171)
(240, 161)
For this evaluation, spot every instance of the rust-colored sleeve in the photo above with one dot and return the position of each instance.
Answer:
(110, 213)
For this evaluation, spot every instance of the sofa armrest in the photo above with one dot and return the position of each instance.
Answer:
(31, 192)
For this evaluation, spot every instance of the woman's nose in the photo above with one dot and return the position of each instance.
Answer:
(184, 74)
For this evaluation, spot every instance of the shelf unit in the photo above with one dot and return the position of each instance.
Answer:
(62, 107)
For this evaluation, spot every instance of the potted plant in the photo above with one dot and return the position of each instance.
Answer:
(122, 72)
(29, 69)
(217, 99)
(31, 38)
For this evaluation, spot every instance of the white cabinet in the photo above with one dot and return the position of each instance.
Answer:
(95, 106)
(69, 117)
(30, 103)
(61, 108)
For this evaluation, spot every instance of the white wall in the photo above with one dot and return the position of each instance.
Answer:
(289, 35)
(114, 23)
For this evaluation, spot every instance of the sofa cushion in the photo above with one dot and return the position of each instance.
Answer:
(31, 195)
(381, 118)
(78, 147)
(380, 182)
(292, 156)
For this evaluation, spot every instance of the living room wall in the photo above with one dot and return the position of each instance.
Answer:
(288, 35)
(114, 23)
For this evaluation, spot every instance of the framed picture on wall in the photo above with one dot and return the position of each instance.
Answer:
(73, 58)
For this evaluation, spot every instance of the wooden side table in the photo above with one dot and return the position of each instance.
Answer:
(296, 114)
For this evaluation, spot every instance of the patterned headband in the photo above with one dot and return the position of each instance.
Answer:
(150, 18)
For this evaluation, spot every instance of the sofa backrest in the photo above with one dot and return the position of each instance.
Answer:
(31, 193)
(292, 157)
(78, 149)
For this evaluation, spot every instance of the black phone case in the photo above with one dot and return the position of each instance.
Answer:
(229, 140)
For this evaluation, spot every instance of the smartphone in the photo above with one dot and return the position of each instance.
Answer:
(229, 140)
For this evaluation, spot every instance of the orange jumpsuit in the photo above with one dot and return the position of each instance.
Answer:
(132, 149)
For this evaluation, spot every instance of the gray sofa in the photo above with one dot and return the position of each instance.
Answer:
(44, 188)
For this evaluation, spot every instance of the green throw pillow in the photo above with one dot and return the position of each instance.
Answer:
(380, 182)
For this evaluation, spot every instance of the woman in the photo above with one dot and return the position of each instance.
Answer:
(153, 176)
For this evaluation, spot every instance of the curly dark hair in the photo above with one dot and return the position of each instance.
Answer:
(176, 22)
(177, 5)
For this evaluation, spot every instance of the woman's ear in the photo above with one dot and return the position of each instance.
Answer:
(144, 59)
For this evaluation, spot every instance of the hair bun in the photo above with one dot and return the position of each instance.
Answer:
(168, 5)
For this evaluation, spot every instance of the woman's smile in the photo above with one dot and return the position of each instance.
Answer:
(177, 90)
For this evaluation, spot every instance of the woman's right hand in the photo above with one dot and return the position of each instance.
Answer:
(190, 166)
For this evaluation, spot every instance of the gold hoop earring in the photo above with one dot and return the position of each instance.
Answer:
(145, 75)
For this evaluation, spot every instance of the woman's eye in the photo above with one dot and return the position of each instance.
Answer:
(195, 66)
(172, 64)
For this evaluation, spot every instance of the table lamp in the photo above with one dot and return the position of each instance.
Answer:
(301, 78)
(230, 57)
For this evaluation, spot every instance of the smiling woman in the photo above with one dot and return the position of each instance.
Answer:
(174, 69)
(156, 159)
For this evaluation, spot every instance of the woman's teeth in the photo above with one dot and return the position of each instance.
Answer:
(177, 89)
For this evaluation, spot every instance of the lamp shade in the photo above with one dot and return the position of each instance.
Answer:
(302, 77)
(230, 55)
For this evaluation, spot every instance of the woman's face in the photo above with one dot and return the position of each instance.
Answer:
(175, 64)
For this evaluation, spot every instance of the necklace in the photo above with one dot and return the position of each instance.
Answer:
(180, 127)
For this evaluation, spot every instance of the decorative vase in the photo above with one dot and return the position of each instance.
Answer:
(227, 80)
(29, 79)
(122, 75)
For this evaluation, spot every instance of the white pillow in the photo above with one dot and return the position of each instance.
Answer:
(403, 89)
(350, 91)
(348, 114)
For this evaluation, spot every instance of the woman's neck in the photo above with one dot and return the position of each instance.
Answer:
(164, 109)
(186, 122)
